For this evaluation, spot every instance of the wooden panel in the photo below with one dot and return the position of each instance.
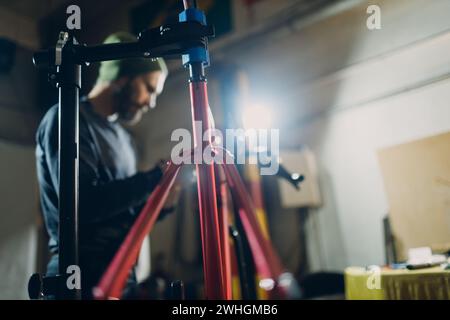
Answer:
(417, 182)
(303, 162)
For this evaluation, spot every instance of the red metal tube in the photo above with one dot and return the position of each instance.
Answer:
(207, 196)
(224, 212)
(113, 280)
(266, 260)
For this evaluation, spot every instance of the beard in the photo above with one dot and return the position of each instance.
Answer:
(129, 117)
(129, 112)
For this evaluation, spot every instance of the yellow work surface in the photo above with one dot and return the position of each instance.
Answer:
(388, 284)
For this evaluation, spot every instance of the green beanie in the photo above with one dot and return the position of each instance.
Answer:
(115, 69)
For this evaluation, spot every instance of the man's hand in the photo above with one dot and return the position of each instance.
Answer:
(174, 194)
(154, 176)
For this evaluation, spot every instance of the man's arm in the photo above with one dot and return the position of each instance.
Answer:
(100, 201)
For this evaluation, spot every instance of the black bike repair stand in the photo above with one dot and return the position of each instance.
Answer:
(64, 62)
(65, 73)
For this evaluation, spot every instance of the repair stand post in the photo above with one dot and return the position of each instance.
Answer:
(69, 83)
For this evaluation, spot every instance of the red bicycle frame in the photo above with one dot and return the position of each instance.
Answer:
(213, 222)
(213, 226)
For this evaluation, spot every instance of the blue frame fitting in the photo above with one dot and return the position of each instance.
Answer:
(192, 14)
(198, 54)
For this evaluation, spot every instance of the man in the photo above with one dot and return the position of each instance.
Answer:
(111, 191)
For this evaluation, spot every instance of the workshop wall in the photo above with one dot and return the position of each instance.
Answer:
(18, 188)
(18, 219)
(346, 92)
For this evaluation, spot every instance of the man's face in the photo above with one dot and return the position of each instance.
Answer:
(138, 95)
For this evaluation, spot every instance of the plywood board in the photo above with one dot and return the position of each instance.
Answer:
(417, 183)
